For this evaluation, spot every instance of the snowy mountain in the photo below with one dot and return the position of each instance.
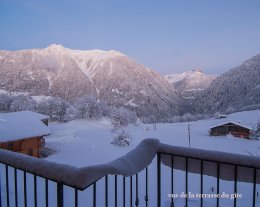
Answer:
(108, 75)
(190, 83)
(237, 89)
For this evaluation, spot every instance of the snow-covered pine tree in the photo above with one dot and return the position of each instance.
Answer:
(5, 102)
(22, 102)
(87, 107)
(71, 113)
(56, 108)
(120, 118)
(122, 138)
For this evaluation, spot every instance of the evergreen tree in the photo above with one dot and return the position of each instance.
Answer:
(22, 102)
(56, 108)
(5, 102)
(87, 107)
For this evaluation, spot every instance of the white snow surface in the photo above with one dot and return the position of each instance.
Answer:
(20, 125)
(87, 143)
(172, 78)
(232, 122)
(39, 99)
(190, 83)
(195, 75)
(26, 114)
(87, 60)
(3, 91)
(83, 143)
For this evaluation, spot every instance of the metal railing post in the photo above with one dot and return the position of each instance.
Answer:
(115, 190)
(136, 191)
(254, 188)
(106, 191)
(35, 190)
(158, 179)
(0, 191)
(15, 187)
(146, 187)
(172, 181)
(7, 185)
(59, 194)
(124, 192)
(46, 193)
(25, 189)
(94, 195)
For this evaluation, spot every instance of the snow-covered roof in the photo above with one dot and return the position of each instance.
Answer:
(232, 122)
(27, 114)
(20, 125)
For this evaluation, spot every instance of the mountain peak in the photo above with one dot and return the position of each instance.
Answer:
(197, 70)
(191, 74)
(191, 82)
(55, 47)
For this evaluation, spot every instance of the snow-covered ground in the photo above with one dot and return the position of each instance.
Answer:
(83, 143)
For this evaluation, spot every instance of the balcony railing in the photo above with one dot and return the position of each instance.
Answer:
(178, 177)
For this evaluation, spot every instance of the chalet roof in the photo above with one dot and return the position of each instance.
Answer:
(21, 125)
(28, 114)
(231, 122)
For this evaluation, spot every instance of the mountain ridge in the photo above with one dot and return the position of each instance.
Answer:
(108, 75)
(190, 83)
(233, 90)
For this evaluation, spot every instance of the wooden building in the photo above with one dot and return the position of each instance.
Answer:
(30, 146)
(236, 129)
(23, 132)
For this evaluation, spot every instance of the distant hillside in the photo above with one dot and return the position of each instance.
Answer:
(188, 84)
(235, 89)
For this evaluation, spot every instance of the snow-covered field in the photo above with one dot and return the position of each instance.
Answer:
(83, 143)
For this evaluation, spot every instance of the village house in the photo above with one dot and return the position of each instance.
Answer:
(23, 132)
(236, 129)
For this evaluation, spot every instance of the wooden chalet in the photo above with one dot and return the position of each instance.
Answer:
(23, 132)
(236, 129)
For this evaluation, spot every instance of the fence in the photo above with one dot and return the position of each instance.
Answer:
(136, 179)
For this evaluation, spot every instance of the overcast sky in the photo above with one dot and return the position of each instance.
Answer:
(168, 36)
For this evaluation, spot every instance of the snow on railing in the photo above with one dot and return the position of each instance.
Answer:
(229, 170)
(80, 178)
(228, 160)
(133, 167)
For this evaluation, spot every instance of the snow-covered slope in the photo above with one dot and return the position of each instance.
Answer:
(235, 89)
(190, 82)
(69, 74)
